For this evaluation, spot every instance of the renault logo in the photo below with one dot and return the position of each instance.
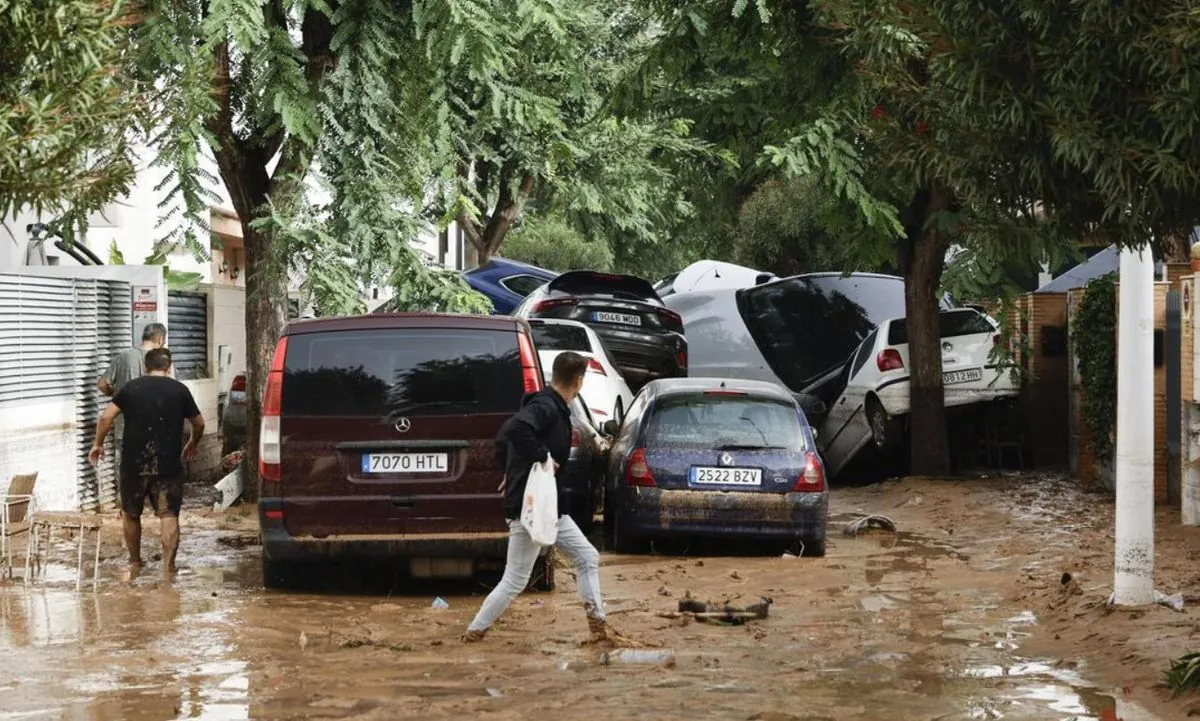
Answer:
(403, 425)
(726, 459)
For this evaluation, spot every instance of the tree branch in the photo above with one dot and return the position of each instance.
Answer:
(316, 33)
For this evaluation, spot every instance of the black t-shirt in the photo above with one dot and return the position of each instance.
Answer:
(154, 408)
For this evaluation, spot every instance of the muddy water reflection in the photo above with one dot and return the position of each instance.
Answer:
(213, 644)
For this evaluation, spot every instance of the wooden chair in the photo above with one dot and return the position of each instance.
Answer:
(16, 515)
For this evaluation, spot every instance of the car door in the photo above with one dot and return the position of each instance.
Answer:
(845, 430)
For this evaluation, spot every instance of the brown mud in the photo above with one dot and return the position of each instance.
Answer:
(963, 614)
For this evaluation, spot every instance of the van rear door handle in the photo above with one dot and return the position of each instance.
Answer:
(403, 502)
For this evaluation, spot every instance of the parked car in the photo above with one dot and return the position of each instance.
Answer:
(643, 336)
(874, 406)
(711, 275)
(583, 486)
(507, 282)
(716, 458)
(797, 332)
(233, 416)
(604, 389)
(378, 440)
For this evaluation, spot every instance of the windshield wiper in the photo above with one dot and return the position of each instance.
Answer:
(749, 447)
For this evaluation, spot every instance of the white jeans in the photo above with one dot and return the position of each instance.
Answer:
(523, 555)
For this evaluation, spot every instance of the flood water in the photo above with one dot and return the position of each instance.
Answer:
(885, 627)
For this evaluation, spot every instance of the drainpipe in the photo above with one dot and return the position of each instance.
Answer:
(88, 252)
(73, 251)
(1133, 583)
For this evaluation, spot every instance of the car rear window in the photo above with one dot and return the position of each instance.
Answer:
(556, 336)
(808, 325)
(522, 285)
(951, 324)
(713, 421)
(586, 282)
(410, 372)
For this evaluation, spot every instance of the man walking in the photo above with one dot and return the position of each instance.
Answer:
(154, 407)
(124, 367)
(542, 428)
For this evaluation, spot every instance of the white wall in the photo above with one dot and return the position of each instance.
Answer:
(40, 436)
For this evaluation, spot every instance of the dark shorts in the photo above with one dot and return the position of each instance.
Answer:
(165, 494)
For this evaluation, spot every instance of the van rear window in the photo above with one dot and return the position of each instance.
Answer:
(556, 336)
(951, 324)
(411, 372)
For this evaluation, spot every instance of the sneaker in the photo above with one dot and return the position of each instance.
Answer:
(473, 636)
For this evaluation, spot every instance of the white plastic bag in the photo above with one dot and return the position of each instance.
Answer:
(539, 510)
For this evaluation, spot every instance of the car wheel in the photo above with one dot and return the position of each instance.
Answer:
(814, 548)
(230, 445)
(885, 430)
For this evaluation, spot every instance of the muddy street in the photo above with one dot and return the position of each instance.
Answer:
(964, 614)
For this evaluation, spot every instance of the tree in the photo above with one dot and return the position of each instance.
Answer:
(63, 107)
(548, 242)
(568, 151)
(358, 94)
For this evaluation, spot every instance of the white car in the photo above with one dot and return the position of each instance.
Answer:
(605, 392)
(712, 275)
(873, 406)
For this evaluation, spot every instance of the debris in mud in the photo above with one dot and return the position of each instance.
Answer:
(664, 591)
(1173, 601)
(653, 656)
(723, 613)
(440, 604)
(883, 523)
(242, 541)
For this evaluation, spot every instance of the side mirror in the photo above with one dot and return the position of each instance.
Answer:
(610, 428)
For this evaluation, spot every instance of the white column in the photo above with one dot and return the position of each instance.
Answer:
(1134, 579)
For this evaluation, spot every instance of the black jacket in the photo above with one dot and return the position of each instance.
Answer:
(541, 427)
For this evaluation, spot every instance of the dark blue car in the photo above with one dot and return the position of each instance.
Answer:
(716, 458)
(507, 282)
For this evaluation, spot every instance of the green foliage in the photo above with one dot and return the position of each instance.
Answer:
(64, 108)
(176, 279)
(548, 242)
(1094, 340)
(1183, 674)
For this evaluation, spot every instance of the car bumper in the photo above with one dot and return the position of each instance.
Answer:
(997, 385)
(280, 546)
(642, 358)
(655, 512)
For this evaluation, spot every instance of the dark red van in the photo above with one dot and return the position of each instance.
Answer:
(377, 440)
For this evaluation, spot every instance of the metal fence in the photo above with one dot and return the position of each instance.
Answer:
(187, 333)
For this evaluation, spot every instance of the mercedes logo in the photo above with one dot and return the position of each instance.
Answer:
(947, 346)
(726, 459)
(403, 425)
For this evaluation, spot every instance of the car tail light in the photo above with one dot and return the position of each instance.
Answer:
(239, 383)
(595, 367)
(813, 477)
(552, 303)
(576, 438)
(637, 471)
(529, 368)
(269, 440)
(889, 360)
(671, 319)
(682, 358)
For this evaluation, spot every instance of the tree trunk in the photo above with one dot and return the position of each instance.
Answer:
(922, 258)
(485, 240)
(266, 311)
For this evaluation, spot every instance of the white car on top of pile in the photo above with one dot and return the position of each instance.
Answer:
(875, 403)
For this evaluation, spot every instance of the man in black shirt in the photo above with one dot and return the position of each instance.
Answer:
(541, 429)
(154, 407)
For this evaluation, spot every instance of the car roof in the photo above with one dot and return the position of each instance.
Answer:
(677, 386)
(506, 264)
(377, 321)
(888, 321)
(603, 284)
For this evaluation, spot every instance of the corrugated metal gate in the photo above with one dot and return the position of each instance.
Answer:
(187, 333)
(56, 337)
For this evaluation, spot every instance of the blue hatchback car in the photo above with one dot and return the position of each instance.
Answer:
(507, 282)
(716, 458)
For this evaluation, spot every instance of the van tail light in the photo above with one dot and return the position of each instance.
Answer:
(576, 438)
(637, 471)
(670, 319)
(813, 477)
(529, 364)
(239, 383)
(595, 367)
(269, 439)
(889, 360)
(552, 303)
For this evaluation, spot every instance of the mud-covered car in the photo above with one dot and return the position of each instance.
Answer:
(716, 458)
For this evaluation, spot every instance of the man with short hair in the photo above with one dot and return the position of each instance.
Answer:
(124, 367)
(152, 453)
(542, 428)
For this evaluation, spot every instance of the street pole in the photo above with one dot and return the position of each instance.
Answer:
(1134, 579)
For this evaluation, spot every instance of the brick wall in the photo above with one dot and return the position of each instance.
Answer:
(1044, 399)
